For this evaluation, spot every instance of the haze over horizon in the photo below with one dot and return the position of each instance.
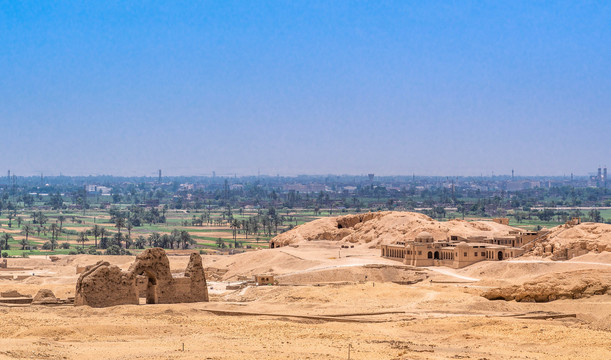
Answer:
(431, 88)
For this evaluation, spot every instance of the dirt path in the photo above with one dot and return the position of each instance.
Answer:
(450, 272)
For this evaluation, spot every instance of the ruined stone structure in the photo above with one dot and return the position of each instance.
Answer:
(45, 297)
(149, 276)
(264, 279)
(502, 221)
(3, 264)
(454, 252)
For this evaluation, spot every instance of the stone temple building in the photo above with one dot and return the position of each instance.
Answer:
(455, 252)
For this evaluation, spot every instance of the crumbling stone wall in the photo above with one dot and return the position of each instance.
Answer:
(104, 285)
(197, 277)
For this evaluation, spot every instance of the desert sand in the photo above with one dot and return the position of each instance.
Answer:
(329, 300)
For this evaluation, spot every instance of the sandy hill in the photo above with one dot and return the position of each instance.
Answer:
(566, 241)
(386, 228)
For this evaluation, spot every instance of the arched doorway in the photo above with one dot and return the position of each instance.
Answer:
(500, 255)
(436, 256)
(430, 255)
(151, 288)
(271, 245)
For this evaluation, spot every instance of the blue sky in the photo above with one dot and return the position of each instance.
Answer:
(292, 87)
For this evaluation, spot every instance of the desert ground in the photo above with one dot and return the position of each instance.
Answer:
(330, 303)
(326, 306)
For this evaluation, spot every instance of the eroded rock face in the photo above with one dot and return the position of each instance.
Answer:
(570, 285)
(568, 241)
(350, 221)
(105, 285)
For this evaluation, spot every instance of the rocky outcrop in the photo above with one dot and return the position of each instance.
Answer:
(385, 227)
(568, 241)
(569, 285)
(105, 285)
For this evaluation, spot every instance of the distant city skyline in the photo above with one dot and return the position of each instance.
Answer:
(212, 174)
(428, 88)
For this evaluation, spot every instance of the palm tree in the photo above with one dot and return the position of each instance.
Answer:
(95, 231)
(174, 238)
(246, 227)
(235, 224)
(82, 237)
(118, 237)
(39, 218)
(129, 227)
(103, 234)
(53, 243)
(61, 220)
(119, 223)
(165, 241)
(10, 219)
(185, 239)
(24, 243)
(54, 230)
(27, 230)
(140, 242)
(154, 239)
(19, 221)
(6, 237)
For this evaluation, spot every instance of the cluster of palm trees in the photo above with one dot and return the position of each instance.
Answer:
(266, 223)
(176, 239)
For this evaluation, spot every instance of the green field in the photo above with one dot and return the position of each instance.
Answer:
(206, 236)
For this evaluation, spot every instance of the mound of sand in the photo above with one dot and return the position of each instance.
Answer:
(386, 228)
(257, 262)
(549, 287)
(566, 241)
(44, 297)
(377, 273)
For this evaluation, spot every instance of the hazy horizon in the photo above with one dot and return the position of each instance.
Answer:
(288, 88)
(154, 175)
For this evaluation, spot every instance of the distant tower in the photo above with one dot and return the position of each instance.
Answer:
(371, 177)
(159, 176)
(599, 177)
(605, 176)
(511, 174)
(9, 177)
(571, 177)
(214, 174)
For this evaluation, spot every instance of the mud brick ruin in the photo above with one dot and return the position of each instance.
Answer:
(103, 285)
